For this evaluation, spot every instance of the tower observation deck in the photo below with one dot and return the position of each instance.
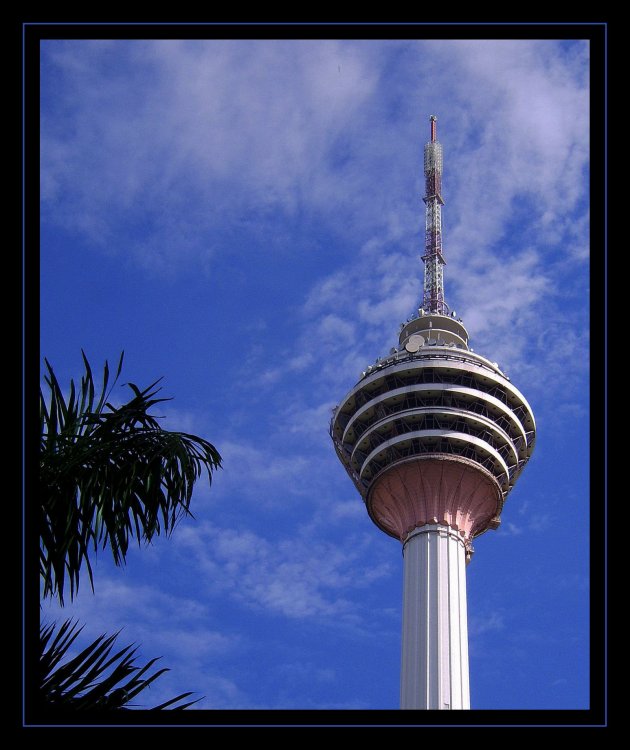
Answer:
(434, 436)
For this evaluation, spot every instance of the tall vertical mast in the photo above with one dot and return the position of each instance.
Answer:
(433, 297)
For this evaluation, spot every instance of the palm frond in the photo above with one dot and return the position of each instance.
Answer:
(94, 679)
(108, 474)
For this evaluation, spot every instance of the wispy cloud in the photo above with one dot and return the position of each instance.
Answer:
(254, 472)
(511, 528)
(289, 365)
(477, 625)
(160, 624)
(298, 577)
(223, 130)
(536, 522)
(251, 129)
(118, 603)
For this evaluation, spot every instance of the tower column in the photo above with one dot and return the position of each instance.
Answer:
(434, 672)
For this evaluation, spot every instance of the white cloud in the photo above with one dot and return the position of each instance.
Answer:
(511, 528)
(272, 116)
(197, 132)
(309, 421)
(513, 220)
(160, 624)
(262, 466)
(117, 603)
(299, 363)
(334, 331)
(299, 577)
(477, 625)
(540, 522)
(348, 509)
(205, 132)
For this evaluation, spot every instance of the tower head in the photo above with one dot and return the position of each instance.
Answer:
(434, 433)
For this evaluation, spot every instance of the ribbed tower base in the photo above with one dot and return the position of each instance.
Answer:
(434, 672)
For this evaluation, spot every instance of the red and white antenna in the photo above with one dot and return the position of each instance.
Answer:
(433, 296)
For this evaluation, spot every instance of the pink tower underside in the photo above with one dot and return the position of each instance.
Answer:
(437, 489)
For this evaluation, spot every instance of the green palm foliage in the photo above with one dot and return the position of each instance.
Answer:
(94, 679)
(108, 474)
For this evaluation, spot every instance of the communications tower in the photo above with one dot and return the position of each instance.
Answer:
(434, 437)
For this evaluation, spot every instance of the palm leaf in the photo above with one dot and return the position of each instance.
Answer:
(173, 700)
(108, 474)
(94, 679)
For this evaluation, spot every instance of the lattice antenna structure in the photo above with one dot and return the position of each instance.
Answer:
(433, 297)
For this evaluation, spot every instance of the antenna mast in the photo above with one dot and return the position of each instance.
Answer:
(433, 297)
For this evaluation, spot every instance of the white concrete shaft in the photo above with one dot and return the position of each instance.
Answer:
(434, 672)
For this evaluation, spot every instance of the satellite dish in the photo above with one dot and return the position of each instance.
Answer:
(414, 343)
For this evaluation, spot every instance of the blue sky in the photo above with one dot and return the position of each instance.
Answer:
(244, 219)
